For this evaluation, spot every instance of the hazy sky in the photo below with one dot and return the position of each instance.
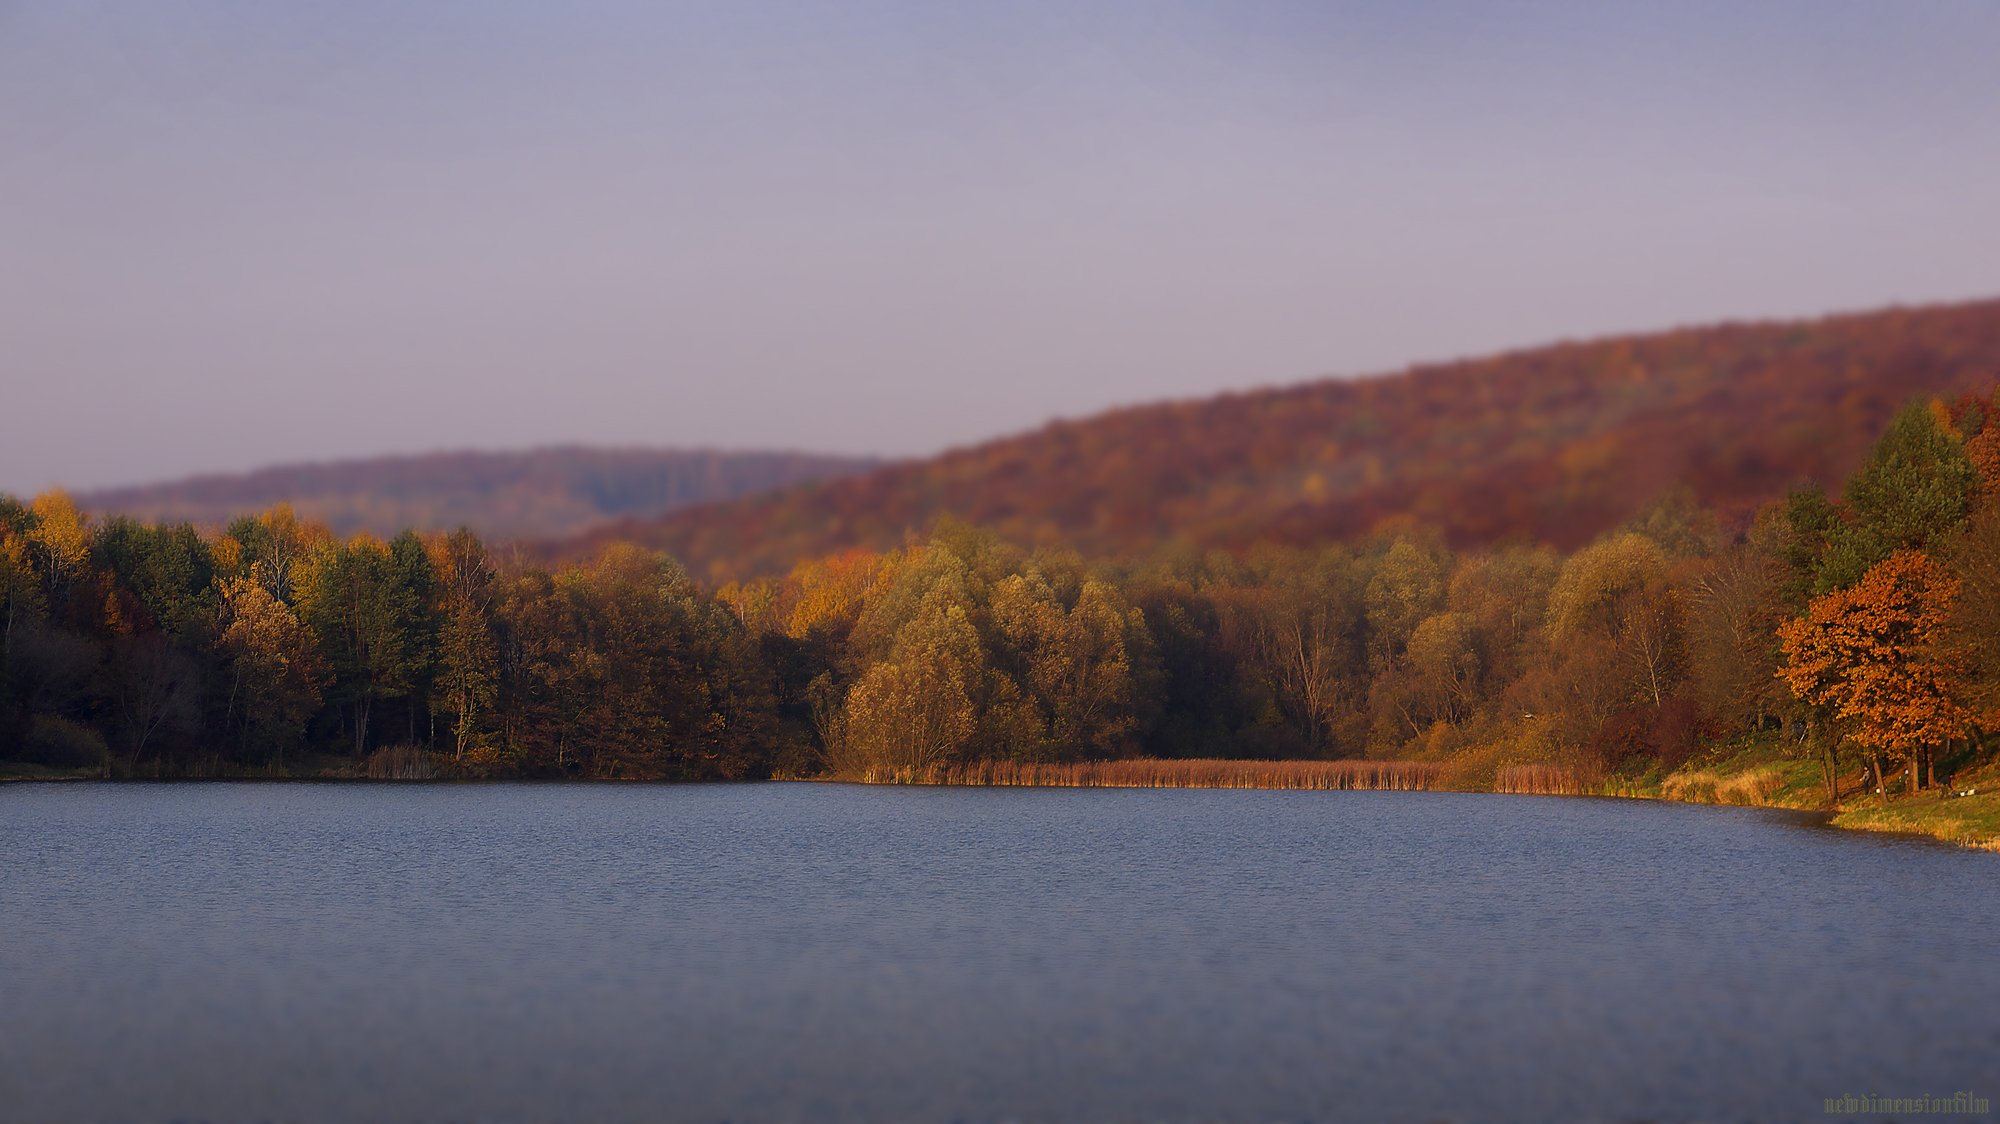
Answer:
(239, 232)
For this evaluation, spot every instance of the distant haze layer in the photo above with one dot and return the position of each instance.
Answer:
(238, 234)
(501, 495)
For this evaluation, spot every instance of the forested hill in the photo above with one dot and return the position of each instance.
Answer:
(539, 493)
(1555, 444)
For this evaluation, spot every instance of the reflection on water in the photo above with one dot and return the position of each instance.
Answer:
(811, 951)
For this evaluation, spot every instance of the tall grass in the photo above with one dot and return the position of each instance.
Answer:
(1702, 786)
(400, 763)
(1544, 780)
(1148, 772)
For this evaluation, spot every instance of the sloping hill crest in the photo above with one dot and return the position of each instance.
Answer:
(1554, 444)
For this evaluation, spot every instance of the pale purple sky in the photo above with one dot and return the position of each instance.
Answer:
(235, 232)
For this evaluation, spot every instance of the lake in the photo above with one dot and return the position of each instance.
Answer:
(805, 952)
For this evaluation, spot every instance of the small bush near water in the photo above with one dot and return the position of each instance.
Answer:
(62, 744)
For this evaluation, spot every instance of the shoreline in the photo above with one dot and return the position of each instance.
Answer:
(1755, 781)
(1910, 817)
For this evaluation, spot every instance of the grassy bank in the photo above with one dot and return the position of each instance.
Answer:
(1758, 774)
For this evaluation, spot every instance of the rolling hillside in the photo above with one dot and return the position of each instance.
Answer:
(1555, 444)
(539, 493)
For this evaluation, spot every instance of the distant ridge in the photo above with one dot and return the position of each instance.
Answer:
(1555, 444)
(537, 493)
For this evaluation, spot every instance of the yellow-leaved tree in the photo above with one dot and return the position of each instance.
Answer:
(913, 711)
(275, 670)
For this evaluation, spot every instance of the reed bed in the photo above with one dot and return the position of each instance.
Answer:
(1543, 780)
(400, 763)
(1147, 772)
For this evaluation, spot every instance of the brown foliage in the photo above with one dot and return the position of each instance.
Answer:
(1669, 734)
(1881, 656)
(1554, 445)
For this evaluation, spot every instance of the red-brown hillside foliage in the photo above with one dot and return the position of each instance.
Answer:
(1555, 444)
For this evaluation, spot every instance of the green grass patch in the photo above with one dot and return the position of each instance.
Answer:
(1763, 771)
(1971, 820)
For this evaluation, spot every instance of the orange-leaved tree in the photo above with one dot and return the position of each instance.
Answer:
(1877, 654)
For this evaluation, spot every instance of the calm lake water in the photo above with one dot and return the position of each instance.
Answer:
(349, 952)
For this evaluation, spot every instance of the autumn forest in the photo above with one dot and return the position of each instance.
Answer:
(1853, 630)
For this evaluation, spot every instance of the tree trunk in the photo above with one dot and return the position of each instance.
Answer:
(1829, 761)
(229, 712)
(360, 726)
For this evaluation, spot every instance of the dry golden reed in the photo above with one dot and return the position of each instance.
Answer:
(1542, 780)
(1701, 786)
(1147, 772)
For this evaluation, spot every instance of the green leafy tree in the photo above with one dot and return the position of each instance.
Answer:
(623, 668)
(1306, 614)
(415, 621)
(1408, 585)
(360, 600)
(168, 570)
(1076, 661)
(160, 609)
(1618, 590)
(1444, 659)
(1910, 494)
(21, 612)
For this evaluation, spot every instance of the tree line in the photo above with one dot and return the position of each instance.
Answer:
(1862, 629)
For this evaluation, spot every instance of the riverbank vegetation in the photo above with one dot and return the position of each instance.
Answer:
(1157, 772)
(1851, 638)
